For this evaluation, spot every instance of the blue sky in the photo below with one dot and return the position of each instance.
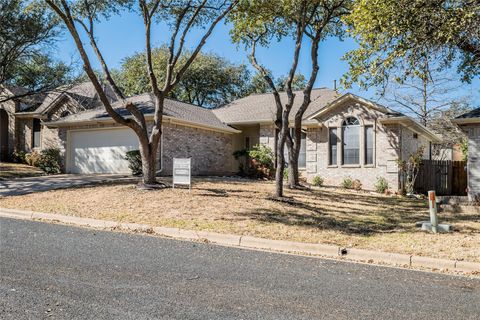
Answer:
(123, 35)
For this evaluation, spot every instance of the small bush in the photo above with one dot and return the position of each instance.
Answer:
(317, 181)
(134, 162)
(347, 183)
(19, 157)
(263, 155)
(32, 158)
(260, 161)
(357, 185)
(49, 161)
(285, 174)
(381, 186)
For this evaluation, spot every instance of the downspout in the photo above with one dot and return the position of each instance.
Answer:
(161, 154)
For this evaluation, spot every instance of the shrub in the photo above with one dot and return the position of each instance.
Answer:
(263, 155)
(19, 157)
(410, 169)
(260, 161)
(317, 181)
(347, 183)
(134, 162)
(32, 158)
(285, 174)
(49, 161)
(356, 185)
(381, 186)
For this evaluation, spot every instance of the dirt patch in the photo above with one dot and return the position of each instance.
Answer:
(326, 215)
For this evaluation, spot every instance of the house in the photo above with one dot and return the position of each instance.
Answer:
(470, 124)
(73, 120)
(343, 135)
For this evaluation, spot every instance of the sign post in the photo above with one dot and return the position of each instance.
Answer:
(182, 172)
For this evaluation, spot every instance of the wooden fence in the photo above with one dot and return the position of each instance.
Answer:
(446, 177)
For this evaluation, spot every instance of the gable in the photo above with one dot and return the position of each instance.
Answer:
(333, 116)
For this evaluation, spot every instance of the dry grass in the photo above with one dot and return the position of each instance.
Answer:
(17, 170)
(348, 218)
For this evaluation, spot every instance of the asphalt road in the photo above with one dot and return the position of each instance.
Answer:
(60, 272)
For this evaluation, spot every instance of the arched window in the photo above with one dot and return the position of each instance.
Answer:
(351, 141)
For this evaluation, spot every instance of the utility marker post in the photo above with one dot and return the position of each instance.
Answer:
(433, 225)
(432, 201)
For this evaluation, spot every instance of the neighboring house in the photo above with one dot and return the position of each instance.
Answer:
(343, 135)
(74, 121)
(470, 124)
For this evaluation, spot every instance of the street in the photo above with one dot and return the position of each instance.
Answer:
(62, 272)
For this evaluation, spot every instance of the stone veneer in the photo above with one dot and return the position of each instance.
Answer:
(391, 142)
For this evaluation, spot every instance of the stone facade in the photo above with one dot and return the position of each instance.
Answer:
(390, 143)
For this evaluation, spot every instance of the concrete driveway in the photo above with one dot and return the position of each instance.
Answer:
(44, 183)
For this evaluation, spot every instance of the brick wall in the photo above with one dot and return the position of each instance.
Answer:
(211, 151)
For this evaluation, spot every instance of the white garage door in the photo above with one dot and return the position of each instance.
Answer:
(101, 151)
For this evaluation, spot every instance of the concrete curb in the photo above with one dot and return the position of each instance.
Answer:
(248, 242)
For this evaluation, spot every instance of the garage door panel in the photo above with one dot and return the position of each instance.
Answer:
(101, 151)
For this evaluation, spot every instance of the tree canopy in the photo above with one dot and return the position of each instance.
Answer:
(27, 34)
(396, 36)
(210, 81)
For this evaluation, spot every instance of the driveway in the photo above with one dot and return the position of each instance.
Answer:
(20, 186)
(62, 272)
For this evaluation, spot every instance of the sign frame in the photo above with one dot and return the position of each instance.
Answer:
(182, 172)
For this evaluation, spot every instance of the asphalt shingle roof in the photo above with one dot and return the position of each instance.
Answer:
(145, 103)
(472, 114)
(84, 93)
(261, 107)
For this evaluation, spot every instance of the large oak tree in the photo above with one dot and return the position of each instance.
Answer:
(257, 23)
(181, 17)
(396, 36)
(27, 35)
(210, 81)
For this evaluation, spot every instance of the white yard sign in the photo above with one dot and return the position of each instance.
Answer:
(182, 171)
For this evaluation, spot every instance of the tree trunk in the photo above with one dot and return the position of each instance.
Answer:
(282, 137)
(280, 167)
(149, 163)
(294, 144)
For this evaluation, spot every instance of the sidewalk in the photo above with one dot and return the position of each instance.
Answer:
(248, 242)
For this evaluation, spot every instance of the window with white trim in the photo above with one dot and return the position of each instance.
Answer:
(332, 146)
(36, 131)
(369, 134)
(351, 141)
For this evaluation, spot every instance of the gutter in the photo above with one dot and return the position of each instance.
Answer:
(56, 124)
(466, 120)
(29, 115)
(412, 125)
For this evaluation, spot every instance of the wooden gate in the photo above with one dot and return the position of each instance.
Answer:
(446, 177)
